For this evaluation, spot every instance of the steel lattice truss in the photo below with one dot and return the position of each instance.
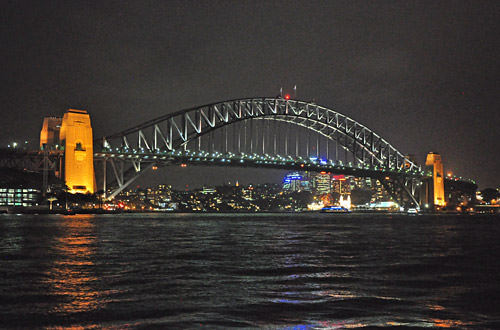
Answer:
(175, 130)
(36, 161)
(160, 140)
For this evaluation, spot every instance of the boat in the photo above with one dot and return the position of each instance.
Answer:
(412, 211)
(335, 209)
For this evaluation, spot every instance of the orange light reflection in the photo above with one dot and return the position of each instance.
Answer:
(448, 323)
(71, 275)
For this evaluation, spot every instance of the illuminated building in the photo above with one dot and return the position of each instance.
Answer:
(19, 196)
(161, 196)
(379, 192)
(208, 190)
(49, 135)
(322, 183)
(164, 192)
(76, 139)
(436, 189)
(292, 181)
(247, 193)
(340, 184)
(361, 183)
(305, 183)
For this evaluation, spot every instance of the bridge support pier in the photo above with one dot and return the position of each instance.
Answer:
(435, 187)
(76, 138)
(122, 177)
(405, 191)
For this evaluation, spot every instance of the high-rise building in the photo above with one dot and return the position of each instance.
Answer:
(379, 192)
(322, 183)
(361, 183)
(161, 195)
(292, 181)
(247, 193)
(340, 184)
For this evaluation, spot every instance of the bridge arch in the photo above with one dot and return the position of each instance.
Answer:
(176, 130)
(157, 142)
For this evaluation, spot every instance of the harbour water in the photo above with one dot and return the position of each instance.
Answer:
(250, 271)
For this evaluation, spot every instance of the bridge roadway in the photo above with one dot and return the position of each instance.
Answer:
(34, 160)
(389, 177)
(204, 158)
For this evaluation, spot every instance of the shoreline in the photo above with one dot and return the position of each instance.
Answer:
(36, 211)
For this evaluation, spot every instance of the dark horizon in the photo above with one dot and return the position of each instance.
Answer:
(423, 75)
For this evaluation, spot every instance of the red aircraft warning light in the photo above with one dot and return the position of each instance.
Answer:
(287, 96)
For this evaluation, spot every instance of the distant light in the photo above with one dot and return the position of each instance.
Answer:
(287, 96)
(154, 168)
(183, 165)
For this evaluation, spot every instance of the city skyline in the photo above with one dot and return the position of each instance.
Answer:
(423, 75)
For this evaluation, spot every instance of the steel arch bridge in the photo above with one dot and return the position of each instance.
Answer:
(259, 132)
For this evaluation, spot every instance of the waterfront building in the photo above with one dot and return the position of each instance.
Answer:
(297, 181)
(340, 184)
(292, 181)
(19, 196)
(322, 183)
(379, 192)
(22, 188)
(247, 193)
(361, 183)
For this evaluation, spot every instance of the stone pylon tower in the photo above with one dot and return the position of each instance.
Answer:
(49, 135)
(437, 187)
(76, 140)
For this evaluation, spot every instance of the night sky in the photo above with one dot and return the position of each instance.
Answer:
(423, 74)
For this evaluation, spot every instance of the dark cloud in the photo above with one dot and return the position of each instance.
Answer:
(424, 74)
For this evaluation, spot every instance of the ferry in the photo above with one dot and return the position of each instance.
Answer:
(335, 209)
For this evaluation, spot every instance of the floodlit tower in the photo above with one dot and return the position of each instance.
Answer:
(76, 140)
(49, 135)
(437, 187)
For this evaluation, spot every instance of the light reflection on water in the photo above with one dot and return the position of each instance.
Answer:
(71, 274)
(220, 272)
